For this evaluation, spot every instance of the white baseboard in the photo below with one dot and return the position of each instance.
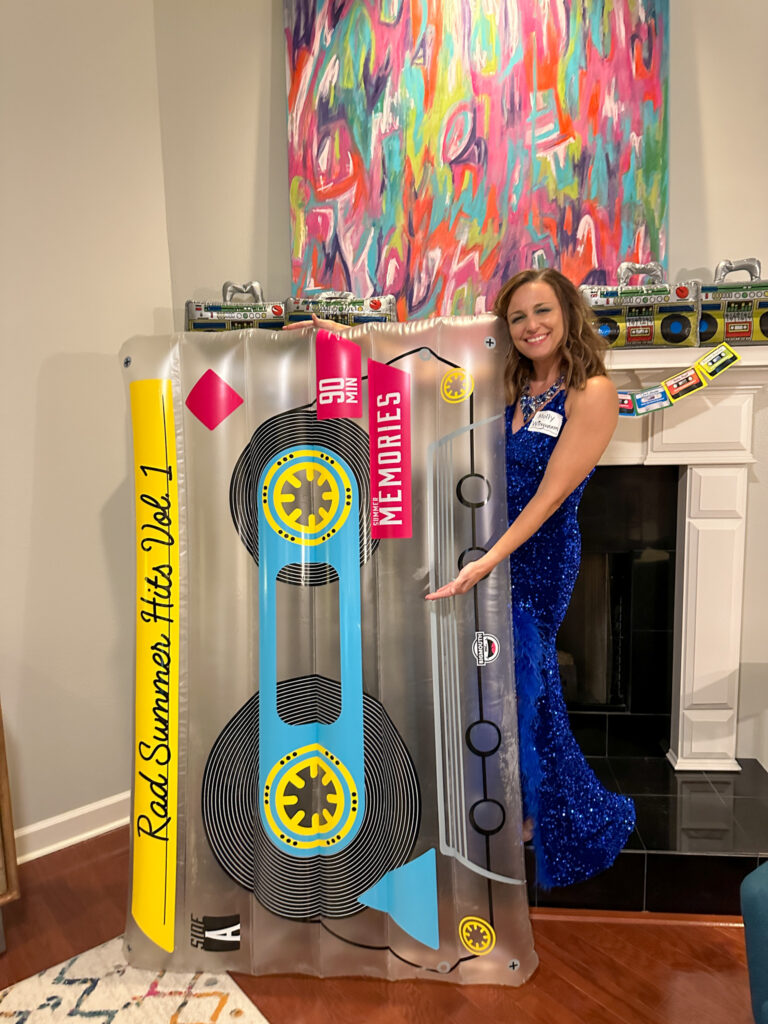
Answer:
(74, 826)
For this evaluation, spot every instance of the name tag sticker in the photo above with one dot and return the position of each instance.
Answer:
(546, 422)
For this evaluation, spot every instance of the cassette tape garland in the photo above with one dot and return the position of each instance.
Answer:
(735, 312)
(648, 315)
(228, 315)
(687, 382)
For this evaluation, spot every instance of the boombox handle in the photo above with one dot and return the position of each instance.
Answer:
(231, 289)
(725, 267)
(654, 271)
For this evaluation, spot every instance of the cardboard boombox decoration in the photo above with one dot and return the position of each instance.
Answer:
(689, 313)
(646, 315)
(229, 315)
(735, 312)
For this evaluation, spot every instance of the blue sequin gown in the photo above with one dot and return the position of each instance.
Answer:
(579, 826)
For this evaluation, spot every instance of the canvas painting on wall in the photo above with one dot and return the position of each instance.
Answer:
(435, 148)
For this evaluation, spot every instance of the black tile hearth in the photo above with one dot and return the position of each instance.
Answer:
(656, 776)
(686, 884)
(751, 817)
(621, 887)
(635, 842)
(695, 823)
(698, 834)
(601, 766)
(752, 780)
(655, 821)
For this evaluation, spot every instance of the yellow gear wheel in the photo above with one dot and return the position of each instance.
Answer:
(477, 935)
(310, 798)
(456, 385)
(306, 496)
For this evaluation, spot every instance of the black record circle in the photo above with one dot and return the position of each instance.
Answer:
(487, 817)
(675, 328)
(303, 887)
(483, 737)
(764, 324)
(288, 430)
(470, 555)
(609, 328)
(707, 327)
(473, 490)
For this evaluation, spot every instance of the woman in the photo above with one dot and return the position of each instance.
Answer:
(561, 415)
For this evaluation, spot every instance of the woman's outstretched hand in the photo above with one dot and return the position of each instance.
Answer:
(324, 325)
(469, 577)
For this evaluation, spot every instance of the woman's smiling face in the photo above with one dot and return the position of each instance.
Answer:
(535, 320)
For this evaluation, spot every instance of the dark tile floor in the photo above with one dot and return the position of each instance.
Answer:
(698, 834)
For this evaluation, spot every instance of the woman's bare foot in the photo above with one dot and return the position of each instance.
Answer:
(528, 830)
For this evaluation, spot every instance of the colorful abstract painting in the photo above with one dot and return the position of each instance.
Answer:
(438, 146)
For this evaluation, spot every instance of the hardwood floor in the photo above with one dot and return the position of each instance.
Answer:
(70, 901)
(609, 970)
(595, 968)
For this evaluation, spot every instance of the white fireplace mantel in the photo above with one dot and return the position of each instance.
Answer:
(709, 435)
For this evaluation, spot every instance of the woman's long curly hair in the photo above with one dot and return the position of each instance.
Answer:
(583, 346)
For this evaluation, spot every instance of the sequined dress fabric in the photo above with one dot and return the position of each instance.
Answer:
(579, 826)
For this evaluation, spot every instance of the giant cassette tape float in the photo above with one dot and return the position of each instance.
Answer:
(647, 315)
(735, 312)
(326, 767)
(229, 315)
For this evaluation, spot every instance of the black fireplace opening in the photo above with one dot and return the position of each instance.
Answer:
(615, 643)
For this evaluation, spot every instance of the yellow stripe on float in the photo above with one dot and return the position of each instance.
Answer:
(155, 785)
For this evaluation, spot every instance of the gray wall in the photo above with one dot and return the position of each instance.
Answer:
(143, 162)
(83, 265)
(221, 77)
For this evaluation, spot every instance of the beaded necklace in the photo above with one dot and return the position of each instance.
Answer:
(530, 404)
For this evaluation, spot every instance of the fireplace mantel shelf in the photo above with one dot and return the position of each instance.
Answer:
(670, 359)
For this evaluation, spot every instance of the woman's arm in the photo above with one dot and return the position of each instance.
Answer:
(325, 325)
(590, 425)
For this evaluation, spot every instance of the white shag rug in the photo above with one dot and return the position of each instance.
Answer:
(100, 987)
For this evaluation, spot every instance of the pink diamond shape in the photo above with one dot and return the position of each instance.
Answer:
(212, 399)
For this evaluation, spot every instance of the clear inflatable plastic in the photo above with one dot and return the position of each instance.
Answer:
(326, 766)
